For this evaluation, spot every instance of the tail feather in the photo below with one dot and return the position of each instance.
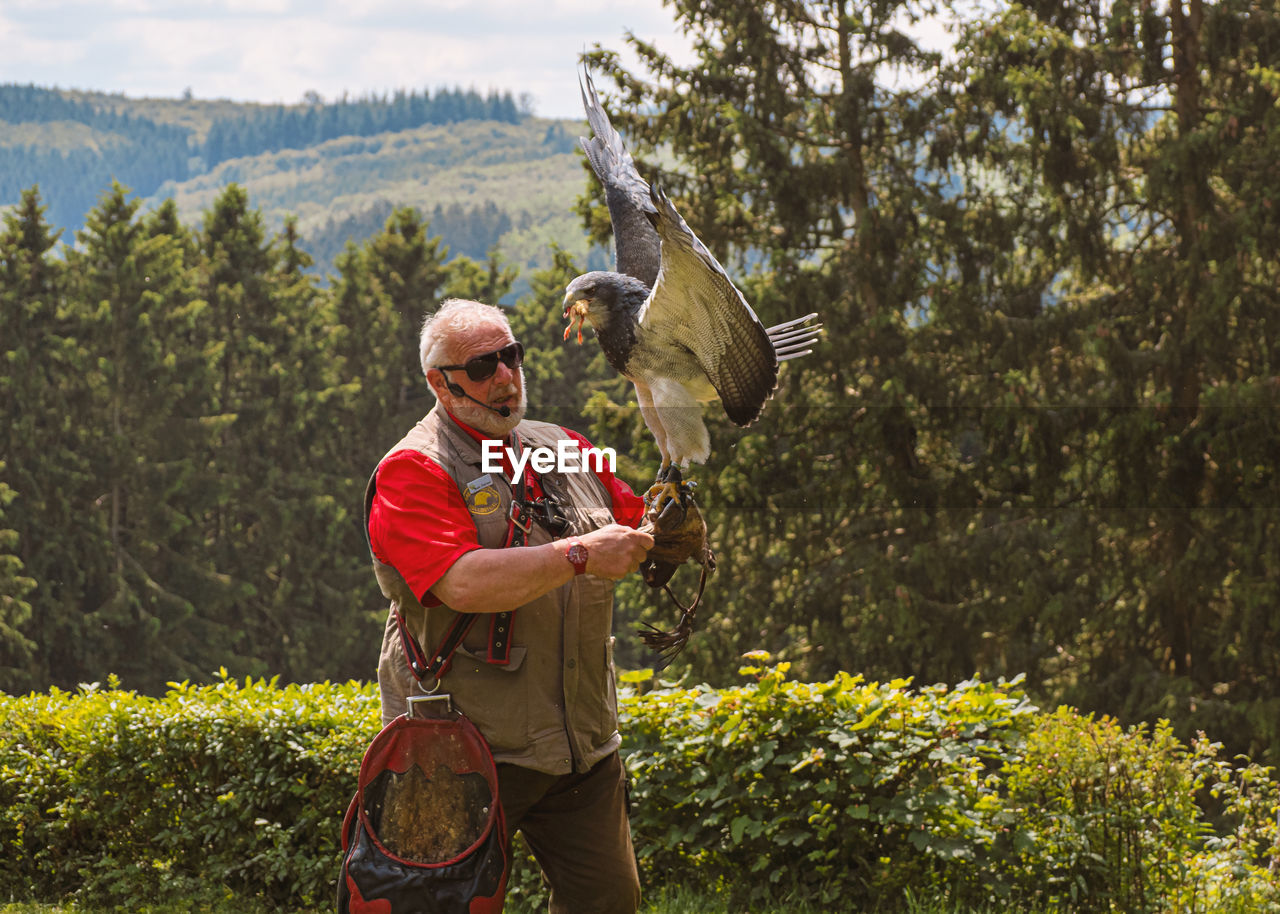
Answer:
(793, 338)
(786, 324)
(782, 339)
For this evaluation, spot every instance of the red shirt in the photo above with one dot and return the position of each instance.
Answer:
(419, 524)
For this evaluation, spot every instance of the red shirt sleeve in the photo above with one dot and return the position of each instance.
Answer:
(628, 507)
(418, 522)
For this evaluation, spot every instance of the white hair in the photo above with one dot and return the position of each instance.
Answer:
(454, 317)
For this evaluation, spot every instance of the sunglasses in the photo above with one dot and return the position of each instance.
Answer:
(482, 367)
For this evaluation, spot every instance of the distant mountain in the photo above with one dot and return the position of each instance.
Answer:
(481, 183)
(484, 172)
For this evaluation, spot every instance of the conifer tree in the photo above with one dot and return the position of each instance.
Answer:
(138, 422)
(44, 461)
(408, 268)
(264, 355)
(1031, 440)
(488, 282)
(796, 163)
(369, 347)
(323, 571)
(1149, 247)
(17, 651)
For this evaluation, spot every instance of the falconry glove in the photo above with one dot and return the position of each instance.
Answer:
(679, 536)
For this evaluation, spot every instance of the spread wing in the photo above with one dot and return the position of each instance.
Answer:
(636, 244)
(696, 306)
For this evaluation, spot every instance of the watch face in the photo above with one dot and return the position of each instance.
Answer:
(577, 555)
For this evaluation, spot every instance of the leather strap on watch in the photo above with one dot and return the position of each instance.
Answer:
(576, 553)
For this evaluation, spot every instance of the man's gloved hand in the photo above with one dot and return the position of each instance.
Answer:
(679, 536)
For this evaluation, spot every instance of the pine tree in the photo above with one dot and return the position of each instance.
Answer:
(408, 268)
(44, 460)
(487, 282)
(280, 531)
(264, 343)
(139, 422)
(1032, 439)
(797, 163)
(16, 650)
(1150, 137)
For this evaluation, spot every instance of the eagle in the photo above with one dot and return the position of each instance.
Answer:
(668, 318)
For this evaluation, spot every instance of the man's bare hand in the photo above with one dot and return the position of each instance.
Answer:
(614, 551)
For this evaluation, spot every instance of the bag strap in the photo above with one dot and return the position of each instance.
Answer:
(519, 523)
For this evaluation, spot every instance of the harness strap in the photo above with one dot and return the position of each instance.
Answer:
(441, 658)
(702, 584)
(519, 523)
(501, 625)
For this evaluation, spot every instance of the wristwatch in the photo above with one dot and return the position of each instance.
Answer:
(577, 556)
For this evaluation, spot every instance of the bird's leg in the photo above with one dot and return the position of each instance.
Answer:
(668, 498)
(658, 481)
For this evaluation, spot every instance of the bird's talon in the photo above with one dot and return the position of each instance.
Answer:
(660, 495)
(672, 514)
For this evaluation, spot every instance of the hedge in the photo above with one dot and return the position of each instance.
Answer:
(852, 794)
(844, 794)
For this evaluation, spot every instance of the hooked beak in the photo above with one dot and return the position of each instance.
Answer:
(576, 314)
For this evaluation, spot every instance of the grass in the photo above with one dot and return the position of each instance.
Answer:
(666, 901)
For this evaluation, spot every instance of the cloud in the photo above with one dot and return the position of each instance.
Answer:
(276, 50)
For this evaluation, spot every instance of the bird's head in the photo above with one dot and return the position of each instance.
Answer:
(597, 298)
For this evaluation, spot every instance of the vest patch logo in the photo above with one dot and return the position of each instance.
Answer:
(481, 499)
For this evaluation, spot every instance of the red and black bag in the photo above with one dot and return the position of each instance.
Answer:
(425, 833)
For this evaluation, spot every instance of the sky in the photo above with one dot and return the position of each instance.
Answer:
(278, 50)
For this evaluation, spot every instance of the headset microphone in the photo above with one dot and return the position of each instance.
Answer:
(457, 391)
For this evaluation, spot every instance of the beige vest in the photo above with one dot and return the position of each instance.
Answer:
(553, 707)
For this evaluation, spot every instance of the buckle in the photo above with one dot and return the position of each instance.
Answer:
(520, 517)
(552, 516)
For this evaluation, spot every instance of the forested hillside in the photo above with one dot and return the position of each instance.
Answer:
(1038, 436)
(74, 144)
(483, 184)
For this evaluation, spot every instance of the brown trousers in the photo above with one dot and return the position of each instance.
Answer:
(576, 826)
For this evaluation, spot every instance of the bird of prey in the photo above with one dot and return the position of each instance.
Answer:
(669, 319)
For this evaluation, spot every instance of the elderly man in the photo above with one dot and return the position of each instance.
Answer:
(533, 557)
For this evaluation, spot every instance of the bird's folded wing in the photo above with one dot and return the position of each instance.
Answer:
(635, 241)
(695, 305)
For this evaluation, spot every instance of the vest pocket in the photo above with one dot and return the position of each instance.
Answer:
(492, 697)
(597, 697)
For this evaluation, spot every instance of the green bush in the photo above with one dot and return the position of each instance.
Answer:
(1109, 819)
(860, 793)
(844, 793)
(113, 798)
(837, 791)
